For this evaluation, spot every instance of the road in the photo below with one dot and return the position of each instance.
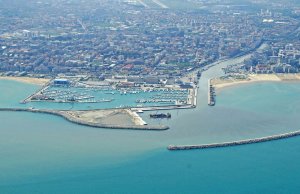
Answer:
(160, 4)
(143, 3)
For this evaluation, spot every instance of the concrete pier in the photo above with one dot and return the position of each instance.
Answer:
(195, 97)
(156, 108)
(235, 143)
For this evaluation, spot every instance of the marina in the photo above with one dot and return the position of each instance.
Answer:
(113, 97)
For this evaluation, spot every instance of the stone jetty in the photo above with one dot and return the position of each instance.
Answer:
(211, 94)
(235, 143)
(74, 117)
(45, 86)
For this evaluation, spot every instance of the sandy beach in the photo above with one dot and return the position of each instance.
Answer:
(252, 78)
(29, 80)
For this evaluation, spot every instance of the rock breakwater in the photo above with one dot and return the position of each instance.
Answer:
(235, 143)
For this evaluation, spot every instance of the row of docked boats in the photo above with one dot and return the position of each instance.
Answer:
(160, 116)
(155, 101)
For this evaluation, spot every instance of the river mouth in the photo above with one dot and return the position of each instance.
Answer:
(48, 152)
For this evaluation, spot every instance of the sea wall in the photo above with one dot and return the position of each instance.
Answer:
(211, 94)
(235, 143)
(45, 86)
(85, 123)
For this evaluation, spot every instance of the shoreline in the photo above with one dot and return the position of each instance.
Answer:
(27, 80)
(254, 78)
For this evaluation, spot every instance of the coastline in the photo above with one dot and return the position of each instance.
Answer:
(220, 84)
(27, 80)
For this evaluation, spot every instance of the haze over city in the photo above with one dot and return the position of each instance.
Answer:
(149, 96)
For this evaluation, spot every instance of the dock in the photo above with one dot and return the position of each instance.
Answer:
(157, 108)
(195, 97)
(192, 97)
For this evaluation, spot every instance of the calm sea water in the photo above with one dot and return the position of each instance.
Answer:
(45, 154)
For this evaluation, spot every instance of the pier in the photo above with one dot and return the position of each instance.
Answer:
(136, 118)
(157, 108)
(74, 117)
(235, 143)
(40, 90)
(211, 94)
(192, 97)
(28, 99)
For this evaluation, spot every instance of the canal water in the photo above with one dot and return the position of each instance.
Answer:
(46, 154)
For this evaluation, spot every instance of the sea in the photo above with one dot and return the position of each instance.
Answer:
(46, 154)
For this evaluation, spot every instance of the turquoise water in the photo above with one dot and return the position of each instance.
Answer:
(265, 168)
(13, 92)
(46, 154)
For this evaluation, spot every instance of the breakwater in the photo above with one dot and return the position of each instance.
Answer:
(211, 94)
(235, 143)
(43, 88)
(68, 117)
(157, 108)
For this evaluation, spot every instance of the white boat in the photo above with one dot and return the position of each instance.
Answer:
(140, 111)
